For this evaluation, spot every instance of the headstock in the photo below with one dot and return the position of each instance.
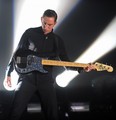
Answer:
(102, 67)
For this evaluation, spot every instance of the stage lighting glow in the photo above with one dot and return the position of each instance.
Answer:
(104, 44)
(64, 78)
(79, 107)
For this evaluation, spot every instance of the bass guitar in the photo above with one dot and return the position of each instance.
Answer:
(35, 63)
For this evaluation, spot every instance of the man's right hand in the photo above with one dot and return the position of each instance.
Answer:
(8, 81)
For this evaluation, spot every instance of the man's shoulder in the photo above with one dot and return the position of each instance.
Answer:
(57, 36)
(33, 29)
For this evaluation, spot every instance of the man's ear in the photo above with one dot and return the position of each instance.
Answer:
(55, 23)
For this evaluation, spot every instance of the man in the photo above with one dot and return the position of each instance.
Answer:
(44, 43)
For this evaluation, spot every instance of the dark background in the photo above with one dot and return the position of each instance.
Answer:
(79, 29)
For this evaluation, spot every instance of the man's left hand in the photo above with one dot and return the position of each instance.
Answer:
(90, 67)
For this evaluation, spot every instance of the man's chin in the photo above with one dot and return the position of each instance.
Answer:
(46, 32)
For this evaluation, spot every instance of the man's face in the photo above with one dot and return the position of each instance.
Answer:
(47, 24)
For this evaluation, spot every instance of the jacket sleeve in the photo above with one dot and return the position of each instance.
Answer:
(21, 45)
(61, 49)
(64, 57)
(10, 67)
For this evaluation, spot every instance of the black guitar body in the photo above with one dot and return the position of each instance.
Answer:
(34, 63)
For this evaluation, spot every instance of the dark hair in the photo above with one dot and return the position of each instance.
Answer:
(50, 13)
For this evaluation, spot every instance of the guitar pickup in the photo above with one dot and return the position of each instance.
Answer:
(21, 60)
(18, 60)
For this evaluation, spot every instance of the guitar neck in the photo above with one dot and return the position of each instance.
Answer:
(62, 63)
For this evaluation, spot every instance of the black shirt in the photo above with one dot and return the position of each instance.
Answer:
(35, 42)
